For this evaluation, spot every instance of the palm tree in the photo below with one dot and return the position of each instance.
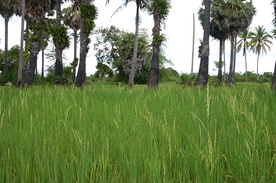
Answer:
(88, 13)
(243, 44)
(160, 10)
(202, 78)
(6, 11)
(71, 18)
(140, 4)
(36, 12)
(20, 64)
(238, 16)
(260, 43)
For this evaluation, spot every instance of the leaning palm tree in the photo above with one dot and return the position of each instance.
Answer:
(260, 43)
(140, 4)
(243, 44)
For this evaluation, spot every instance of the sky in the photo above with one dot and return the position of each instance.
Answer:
(178, 29)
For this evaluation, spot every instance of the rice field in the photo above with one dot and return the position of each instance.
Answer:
(104, 133)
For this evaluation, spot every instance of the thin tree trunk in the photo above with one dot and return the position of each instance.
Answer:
(220, 62)
(135, 51)
(235, 55)
(6, 45)
(231, 70)
(245, 60)
(224, 60)
(258, 78)
(193, 45)
(202, 78)
(154, 69)
(20, 64)
(42, 68)
(75, 62)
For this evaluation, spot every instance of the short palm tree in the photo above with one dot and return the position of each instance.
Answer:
(243, 44)
(260, 43)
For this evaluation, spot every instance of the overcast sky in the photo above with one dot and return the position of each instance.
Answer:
(178, 30)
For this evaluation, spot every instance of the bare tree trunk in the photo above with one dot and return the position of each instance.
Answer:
(193, 46)
(20, 64)
(135, 51)
(202, 78)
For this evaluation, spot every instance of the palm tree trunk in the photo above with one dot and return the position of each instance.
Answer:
(6, 46)
(154, 69)
(75, 54)
(258, 79)
(42, 67)
(135, 51)
(231, 68)
(202, 78)
(245, 60)
(220, 62)
(81, 76)
(224, 60)
(30, 71)
(20, 64)
(58, 64)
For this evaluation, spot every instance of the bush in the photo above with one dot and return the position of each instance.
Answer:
(188, 79)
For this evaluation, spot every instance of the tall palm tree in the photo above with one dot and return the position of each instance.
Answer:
(88, 13)
(36, 12)
(160, 10)
(71, 18)
(6, 11)
(260, 43)
(140, 4)
(243, 44)
(238, 16)
(202, 78)
(20, 64)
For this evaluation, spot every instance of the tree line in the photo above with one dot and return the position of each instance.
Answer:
(221, 19)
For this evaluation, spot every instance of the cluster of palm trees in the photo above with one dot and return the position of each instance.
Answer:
(79, 17)
(258, 41)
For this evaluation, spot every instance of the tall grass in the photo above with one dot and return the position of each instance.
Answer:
(108, 134)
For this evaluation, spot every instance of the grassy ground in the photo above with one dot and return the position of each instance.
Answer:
(104, 133)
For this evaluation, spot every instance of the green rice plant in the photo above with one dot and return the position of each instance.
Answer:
(104, 133)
